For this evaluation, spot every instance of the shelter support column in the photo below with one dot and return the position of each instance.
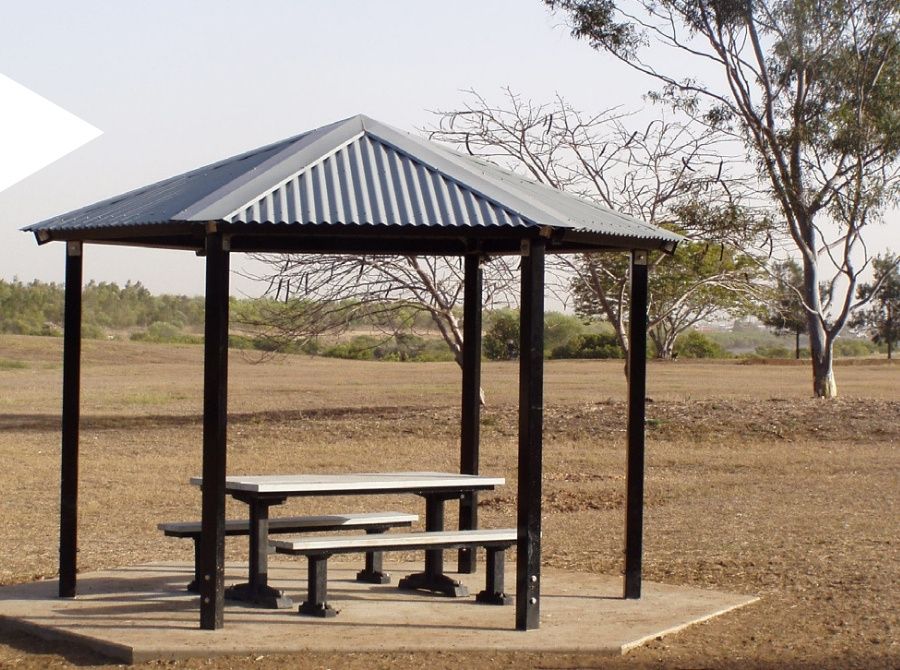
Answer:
(471, 401)
(531, 413)
(68, 494)
(215, 396)
(637, 393)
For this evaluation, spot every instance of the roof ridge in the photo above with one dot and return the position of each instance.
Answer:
(428, 145)
(146, 188)
(308, 166)
(205, 209)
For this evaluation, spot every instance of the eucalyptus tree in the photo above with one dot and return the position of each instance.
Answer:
(811, 88)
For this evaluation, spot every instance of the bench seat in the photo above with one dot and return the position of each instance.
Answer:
(318, 550)
(371, 522)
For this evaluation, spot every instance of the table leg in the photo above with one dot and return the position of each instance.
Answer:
(257, 590)
(468, 520)
(433, 578)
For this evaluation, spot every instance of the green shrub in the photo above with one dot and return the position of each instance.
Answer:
(92, 331)
(359, 348)
(501, 340)
(47, 330)
(401, 347)
(697, 345)
(560, 329)
(242, 342)
(773, 351)
(591, 345)
(435, 351)
(165, 332)
(846, 348)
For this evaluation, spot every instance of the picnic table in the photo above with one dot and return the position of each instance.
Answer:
(260, 492)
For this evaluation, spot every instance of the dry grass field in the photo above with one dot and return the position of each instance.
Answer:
(752, 485)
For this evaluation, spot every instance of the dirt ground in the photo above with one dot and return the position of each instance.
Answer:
(752, 485)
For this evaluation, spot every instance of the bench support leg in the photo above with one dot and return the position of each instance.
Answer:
(374, 572)
(433, 579)
(493, 589)
(316, 603)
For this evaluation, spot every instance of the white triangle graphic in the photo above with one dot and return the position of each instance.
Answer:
(34, 132)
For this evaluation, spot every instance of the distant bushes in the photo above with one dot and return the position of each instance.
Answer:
(843, 348)
(37, 308)
(400, 347)
(132, 311)
(847, 348)
(565, 336)
(165, 332)
(776, 351)
(693, 344)
(501, 337)
(592, 345)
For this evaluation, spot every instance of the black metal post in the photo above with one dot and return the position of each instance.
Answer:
(637, 392)
(215, 395)
(471, 402)
(531, 411)
(68, 489)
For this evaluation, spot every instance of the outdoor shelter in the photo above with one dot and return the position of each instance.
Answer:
(359, 186)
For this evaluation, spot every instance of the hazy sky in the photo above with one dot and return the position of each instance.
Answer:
(175, 85)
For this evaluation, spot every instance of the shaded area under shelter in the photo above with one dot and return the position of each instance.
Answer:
(359, 186)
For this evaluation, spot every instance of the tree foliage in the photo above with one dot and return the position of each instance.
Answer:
(881, 319)
(36, 308)
(697, 345)
(501, 338)
(784, 311)
(812, 90)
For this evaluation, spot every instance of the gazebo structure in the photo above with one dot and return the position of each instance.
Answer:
(359, 186)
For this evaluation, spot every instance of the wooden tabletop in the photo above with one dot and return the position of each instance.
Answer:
(363, 482)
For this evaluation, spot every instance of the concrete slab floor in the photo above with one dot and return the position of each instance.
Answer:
(140, 613)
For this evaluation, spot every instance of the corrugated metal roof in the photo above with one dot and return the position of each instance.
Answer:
(356, 172)
(369, 182)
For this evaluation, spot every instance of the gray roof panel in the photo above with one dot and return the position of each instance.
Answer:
(368, 182)
(356, 172)
(162, 201)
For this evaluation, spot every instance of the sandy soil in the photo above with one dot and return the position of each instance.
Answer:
(752, 486)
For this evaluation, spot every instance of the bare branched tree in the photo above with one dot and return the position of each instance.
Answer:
(664, 173)
(811, 89)
(317, 294)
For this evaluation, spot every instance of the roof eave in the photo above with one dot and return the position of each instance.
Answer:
(179, 234)
(296, 237)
